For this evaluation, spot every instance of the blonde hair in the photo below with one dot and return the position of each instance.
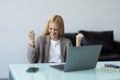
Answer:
(58, 20)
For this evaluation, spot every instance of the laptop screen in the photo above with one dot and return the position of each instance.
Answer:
(79, 58)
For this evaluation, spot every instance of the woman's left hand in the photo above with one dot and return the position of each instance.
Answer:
(79, 38)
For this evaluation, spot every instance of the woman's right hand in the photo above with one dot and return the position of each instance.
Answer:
(31, 36)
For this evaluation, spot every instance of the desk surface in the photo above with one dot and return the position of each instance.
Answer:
(18, 72)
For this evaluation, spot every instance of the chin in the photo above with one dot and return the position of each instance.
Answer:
(52, 37)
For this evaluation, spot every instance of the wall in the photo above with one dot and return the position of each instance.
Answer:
(19, 16)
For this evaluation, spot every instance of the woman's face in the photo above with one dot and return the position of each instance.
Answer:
(54, 31)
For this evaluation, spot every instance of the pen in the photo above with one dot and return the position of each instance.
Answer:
(112, 66)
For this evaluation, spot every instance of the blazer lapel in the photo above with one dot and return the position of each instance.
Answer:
(63, 50)
(46, 48)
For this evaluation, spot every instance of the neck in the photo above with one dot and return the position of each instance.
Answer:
(56, 39)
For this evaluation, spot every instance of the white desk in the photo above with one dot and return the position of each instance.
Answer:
(18, 72)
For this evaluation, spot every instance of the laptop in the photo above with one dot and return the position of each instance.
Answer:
(80, 58)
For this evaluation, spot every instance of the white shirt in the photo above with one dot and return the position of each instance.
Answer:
(55, 51)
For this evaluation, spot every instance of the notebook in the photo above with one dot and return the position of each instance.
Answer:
(80, 58)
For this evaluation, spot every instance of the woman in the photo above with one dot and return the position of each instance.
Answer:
(51, 46)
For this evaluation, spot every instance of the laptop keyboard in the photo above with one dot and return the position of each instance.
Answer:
(60, 67)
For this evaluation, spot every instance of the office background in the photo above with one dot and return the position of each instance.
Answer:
(17, 17)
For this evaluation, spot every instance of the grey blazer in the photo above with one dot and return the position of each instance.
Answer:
(40, 52)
